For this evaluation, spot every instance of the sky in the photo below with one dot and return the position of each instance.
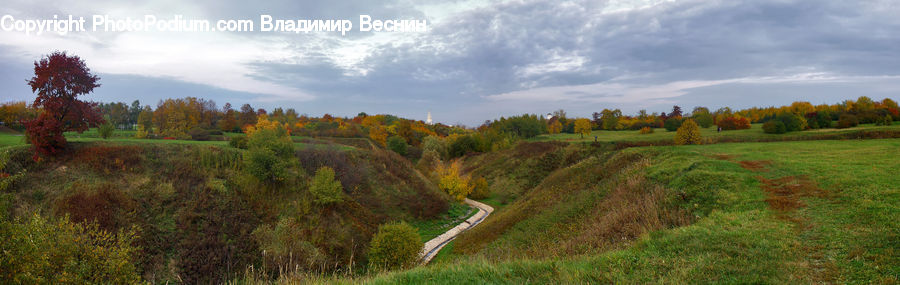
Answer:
(481, 60)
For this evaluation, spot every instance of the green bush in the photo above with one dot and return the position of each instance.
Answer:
(847, 121)
(672, 124)
(397, 144)
(435, 144)
(265, 165)
(774, 127)
(106, 130)
(325, 188)
(792, 122)
(238, 142)
(884, 121)
(395, 246)
(269, 155)
(49, 251)
(705, 120)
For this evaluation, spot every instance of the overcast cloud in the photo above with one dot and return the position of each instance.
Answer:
(485, 59)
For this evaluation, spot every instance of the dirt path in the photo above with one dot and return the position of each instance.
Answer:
(433, 246)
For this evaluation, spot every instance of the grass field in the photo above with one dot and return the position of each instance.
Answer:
(779, 212)
(755, 133)
(127, 137)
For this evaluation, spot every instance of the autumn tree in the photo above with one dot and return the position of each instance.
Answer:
(554, 127)
(688, 133)
(58, 81)
(583, 127)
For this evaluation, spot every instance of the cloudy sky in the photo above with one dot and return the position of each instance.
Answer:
(484, 59)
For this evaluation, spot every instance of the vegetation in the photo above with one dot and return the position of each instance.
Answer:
(58, 81)
(395, 246)
(688, 133)
(325, 189)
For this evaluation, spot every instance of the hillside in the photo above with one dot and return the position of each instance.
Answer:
(199, 218)
(780, 212)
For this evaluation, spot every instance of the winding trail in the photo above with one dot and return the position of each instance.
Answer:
(433, 246)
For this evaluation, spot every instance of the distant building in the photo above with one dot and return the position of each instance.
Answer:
(428, 120)
(549, 116)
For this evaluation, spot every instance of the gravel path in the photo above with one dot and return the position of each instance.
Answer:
(433, 246)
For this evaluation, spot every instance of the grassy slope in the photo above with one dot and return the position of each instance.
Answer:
(843, 226)
(158, 179)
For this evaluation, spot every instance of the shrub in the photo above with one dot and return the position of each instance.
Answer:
(672, 124)
(480, 189)
(106, 130)
(688, 133)
(7, 179)
(435, 144)
(774, 127)
(141, 133)
(734, 123)
(646, 130)
(238, 142)
(464, 145)
(705, 120)
(49, 251)
(395, 246)
(847, 121)
(265, 165)
(325, 189)
(397, 144)
(884, 121)
(792, 122)
(429, 161)
(270, 151)
(285, 246)
(199, 134)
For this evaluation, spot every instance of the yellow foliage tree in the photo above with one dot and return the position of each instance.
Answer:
(452, 182)
(555, 127)
(378, 134)
(583, 127)
(688, 133)
(263, 123)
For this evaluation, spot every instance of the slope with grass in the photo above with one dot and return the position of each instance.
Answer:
(199, 218)
(755, 134)
(780, 212)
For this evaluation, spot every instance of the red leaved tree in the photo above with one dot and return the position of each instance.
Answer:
(58, 81)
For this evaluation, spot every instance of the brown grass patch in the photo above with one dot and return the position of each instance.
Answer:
(755, 165)
(784, 193)
(633, 208)
(722, 156)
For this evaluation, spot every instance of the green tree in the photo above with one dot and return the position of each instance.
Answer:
(395, 246)
(325, 189)
(269, 151)
(688, 133)
(672, 124)
(774, 127)
(106, 129)
(397, 144)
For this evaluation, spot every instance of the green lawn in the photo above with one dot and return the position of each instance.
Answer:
(429, 229)
(659, 134)
(843, 225)
(127, 137)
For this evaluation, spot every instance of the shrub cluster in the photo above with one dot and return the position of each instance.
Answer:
(395, 246)
(774, 127)
(688, 133)
(847, 121)
(734, 123)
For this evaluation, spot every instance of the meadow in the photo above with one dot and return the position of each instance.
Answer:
(754, 133)
(777, 212)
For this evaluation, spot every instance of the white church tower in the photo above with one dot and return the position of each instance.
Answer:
(428, 120)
